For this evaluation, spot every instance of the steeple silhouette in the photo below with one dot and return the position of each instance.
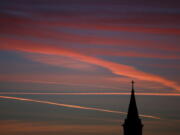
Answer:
(132, 124)
(132, 111)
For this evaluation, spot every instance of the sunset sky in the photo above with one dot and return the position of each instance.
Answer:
(66, 66)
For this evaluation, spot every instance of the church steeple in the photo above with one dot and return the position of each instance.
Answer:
(132, 111)
(132, 124)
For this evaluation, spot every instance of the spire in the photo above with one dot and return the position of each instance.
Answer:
(132, 85)
(132, 124)
(132, 111)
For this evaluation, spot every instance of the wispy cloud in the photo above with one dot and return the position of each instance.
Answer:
(87, 32)
(61, 61)
(115, 68)
(73, 106)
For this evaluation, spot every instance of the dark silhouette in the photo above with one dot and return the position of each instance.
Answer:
(132, 124)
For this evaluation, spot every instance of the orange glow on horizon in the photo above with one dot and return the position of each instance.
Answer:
(90, 93)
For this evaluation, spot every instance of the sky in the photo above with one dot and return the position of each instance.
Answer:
(66, 66)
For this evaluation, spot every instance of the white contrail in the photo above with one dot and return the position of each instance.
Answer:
(92, 93)
(73, 106)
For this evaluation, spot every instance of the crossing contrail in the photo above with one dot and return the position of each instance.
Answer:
(73, 106)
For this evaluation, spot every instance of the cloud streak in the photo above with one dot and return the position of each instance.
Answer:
(136, 29)
(115, 68)
(90, 93)
(95, 40)
(73, 106)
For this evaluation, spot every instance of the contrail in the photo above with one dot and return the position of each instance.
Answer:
(73, 106)
(96, 93)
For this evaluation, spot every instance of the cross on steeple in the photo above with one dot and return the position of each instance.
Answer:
(132, 110)
(132, 124)
(132, 84)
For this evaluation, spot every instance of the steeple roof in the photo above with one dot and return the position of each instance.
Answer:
(132, 110)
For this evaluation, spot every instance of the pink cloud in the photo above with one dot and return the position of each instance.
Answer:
(93, 82)
(45, 31)
(115, 68)
(61, 61)
(108, 52)
(138, 29)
